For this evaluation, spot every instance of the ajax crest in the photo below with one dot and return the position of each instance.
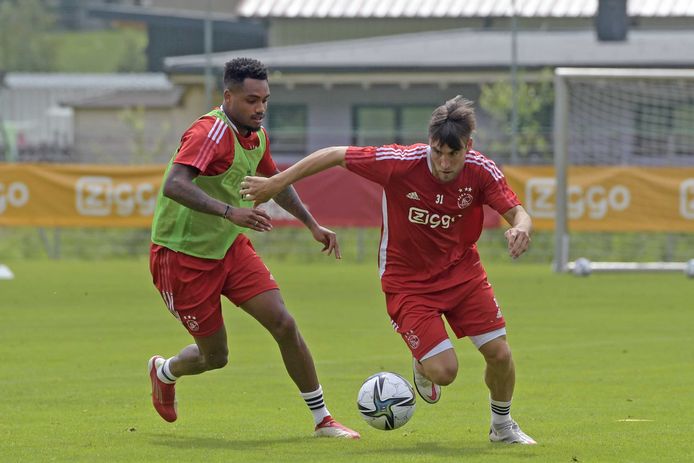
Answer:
(412, 339)
(191, 322)
(465, 198)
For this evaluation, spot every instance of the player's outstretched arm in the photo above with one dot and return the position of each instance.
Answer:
(518, 236)
(260, 189)
(289, 200)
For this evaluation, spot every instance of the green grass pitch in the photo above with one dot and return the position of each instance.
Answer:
(605, 370)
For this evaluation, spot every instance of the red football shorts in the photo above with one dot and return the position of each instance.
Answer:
(470, 309)
(191, 286)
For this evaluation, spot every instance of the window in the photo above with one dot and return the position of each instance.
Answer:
(381, 125)
(287, 128)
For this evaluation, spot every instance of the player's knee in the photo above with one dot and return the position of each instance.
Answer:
(443, 375)
(499, 356)
(284, 328)
(216, 360)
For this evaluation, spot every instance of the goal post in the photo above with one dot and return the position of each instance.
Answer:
(635, 126)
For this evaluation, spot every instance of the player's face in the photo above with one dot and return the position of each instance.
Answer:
(246, 104)
(447, 163)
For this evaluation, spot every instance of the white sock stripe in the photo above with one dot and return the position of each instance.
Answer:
(313, 394)
(499, 407)
(166, 371)
(314, 401)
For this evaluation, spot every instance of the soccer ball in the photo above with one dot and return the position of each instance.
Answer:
(582, 267)
(386, 401)
(689, 268)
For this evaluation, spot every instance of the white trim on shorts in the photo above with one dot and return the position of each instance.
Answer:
(438, 348)
(482, 339)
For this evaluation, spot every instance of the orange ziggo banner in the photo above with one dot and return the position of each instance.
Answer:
(78, 195)
(50, 195)
(600, 198)
(609, 198)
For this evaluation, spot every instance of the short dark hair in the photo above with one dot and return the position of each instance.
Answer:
(238, 69)
(452, 123)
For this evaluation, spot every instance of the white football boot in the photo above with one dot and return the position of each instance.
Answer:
(510, 433)
(331, 428)
(428, 391)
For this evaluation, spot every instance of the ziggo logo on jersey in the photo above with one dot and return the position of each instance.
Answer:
(99, 196)
(424, 217)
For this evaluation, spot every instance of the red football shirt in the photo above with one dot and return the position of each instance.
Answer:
(429, 227)
(208, 145)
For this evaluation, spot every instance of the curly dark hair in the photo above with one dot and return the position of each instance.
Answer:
(238, 69)
(452, 123)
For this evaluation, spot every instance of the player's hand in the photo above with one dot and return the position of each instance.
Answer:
(518, 241)
(255, 219)
(258, 189)
(329, 240)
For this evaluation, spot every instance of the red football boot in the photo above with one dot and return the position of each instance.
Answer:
(163, 394)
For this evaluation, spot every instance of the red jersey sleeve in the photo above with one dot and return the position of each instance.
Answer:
(267, 166)
(497, 193)
(364, 161)
(379, 163)
(199, 143)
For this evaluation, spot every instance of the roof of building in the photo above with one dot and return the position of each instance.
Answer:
(129, 98)
(135, 81)
(465, 50)
(452, 8)
(110, 10)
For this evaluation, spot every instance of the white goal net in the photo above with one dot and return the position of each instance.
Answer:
(624, 166)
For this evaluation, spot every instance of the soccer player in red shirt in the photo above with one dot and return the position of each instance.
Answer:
(428, 261)
(199, 251)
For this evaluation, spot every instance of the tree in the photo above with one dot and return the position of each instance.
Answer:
(535, 103)
(24, 43)
(144, 148)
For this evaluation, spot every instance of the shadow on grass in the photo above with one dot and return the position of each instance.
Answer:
(357, 449)
(435, 450)
(226, 443)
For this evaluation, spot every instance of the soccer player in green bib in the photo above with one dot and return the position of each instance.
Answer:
(199, 251)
